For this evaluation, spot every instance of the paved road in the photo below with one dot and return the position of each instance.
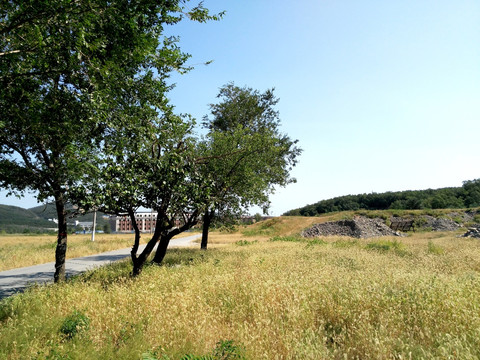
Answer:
(14, 280)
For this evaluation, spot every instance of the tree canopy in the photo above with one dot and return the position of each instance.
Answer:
(245, 153)
(71, 74)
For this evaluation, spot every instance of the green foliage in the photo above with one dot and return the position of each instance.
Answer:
(79, 80)
(434, 249)
(228, 350)
(297, 238)
(447, 198)
(387, 245)
(245, 242)
(294, 238)
(224, 350)
(16, 220)
(75, 323)
(244, 153)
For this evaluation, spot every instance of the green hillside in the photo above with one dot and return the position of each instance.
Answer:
(14, 219)
(466, 196)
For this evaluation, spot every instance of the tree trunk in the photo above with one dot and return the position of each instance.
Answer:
(136, 243)
(139, 262)
(61, 249)
(207, 220)
(162, 247)
(168, 235)
(142, 258)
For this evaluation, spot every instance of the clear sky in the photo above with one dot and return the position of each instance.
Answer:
(382, 95)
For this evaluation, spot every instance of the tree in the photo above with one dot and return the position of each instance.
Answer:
(245, 153)
(155, 168)
(71, 71)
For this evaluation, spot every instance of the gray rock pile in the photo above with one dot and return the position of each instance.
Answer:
(359, 227)
(439, 224)
(473, 232)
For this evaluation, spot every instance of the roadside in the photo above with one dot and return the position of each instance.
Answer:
(15, 280)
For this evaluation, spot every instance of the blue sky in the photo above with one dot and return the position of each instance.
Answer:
(382, 95)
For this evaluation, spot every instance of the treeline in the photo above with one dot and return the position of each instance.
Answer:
(466, 196)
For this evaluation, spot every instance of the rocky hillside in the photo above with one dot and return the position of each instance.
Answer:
(366, 227)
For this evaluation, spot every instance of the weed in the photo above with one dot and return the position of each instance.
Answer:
(224, 350)
(387, 245)
(245, 242)
(228, 350)
(345, 243)
(434, 249)
(288, 238)
(74, 324)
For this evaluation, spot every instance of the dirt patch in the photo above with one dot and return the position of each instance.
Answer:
(359, 227)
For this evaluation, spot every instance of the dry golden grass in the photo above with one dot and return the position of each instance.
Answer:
(26, 250)
(340, 298)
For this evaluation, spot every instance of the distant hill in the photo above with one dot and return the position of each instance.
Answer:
(14, 219)
(467, 196)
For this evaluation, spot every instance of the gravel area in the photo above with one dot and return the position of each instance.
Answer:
(359, 227)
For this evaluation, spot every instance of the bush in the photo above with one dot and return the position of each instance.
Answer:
(74, 323)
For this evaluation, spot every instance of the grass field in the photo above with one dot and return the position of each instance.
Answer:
(26, 250)
(263, 293)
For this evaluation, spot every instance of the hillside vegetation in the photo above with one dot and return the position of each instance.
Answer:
(466, 196)
(263, 293)
(16, 220)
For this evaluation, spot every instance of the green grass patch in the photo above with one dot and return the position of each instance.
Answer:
(388, 245)
(434, 249)
(224, 350)
(299, 239)
(245, 242)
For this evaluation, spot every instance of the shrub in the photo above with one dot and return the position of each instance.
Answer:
(74, 323)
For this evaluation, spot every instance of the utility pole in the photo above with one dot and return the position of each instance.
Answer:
(94, 224)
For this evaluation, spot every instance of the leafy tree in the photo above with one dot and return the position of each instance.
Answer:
(157, 172)
(472, 192)
(245, 154)
(70, 72)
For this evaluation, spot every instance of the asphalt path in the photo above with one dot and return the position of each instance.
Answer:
(15, 280)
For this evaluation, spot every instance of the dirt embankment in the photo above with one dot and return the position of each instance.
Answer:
(359, 227)
(364, 227)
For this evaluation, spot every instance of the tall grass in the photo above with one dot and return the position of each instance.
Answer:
(273, 299)
(26, 250)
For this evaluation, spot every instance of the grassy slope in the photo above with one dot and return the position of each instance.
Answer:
(16, 216)
(417, 297)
